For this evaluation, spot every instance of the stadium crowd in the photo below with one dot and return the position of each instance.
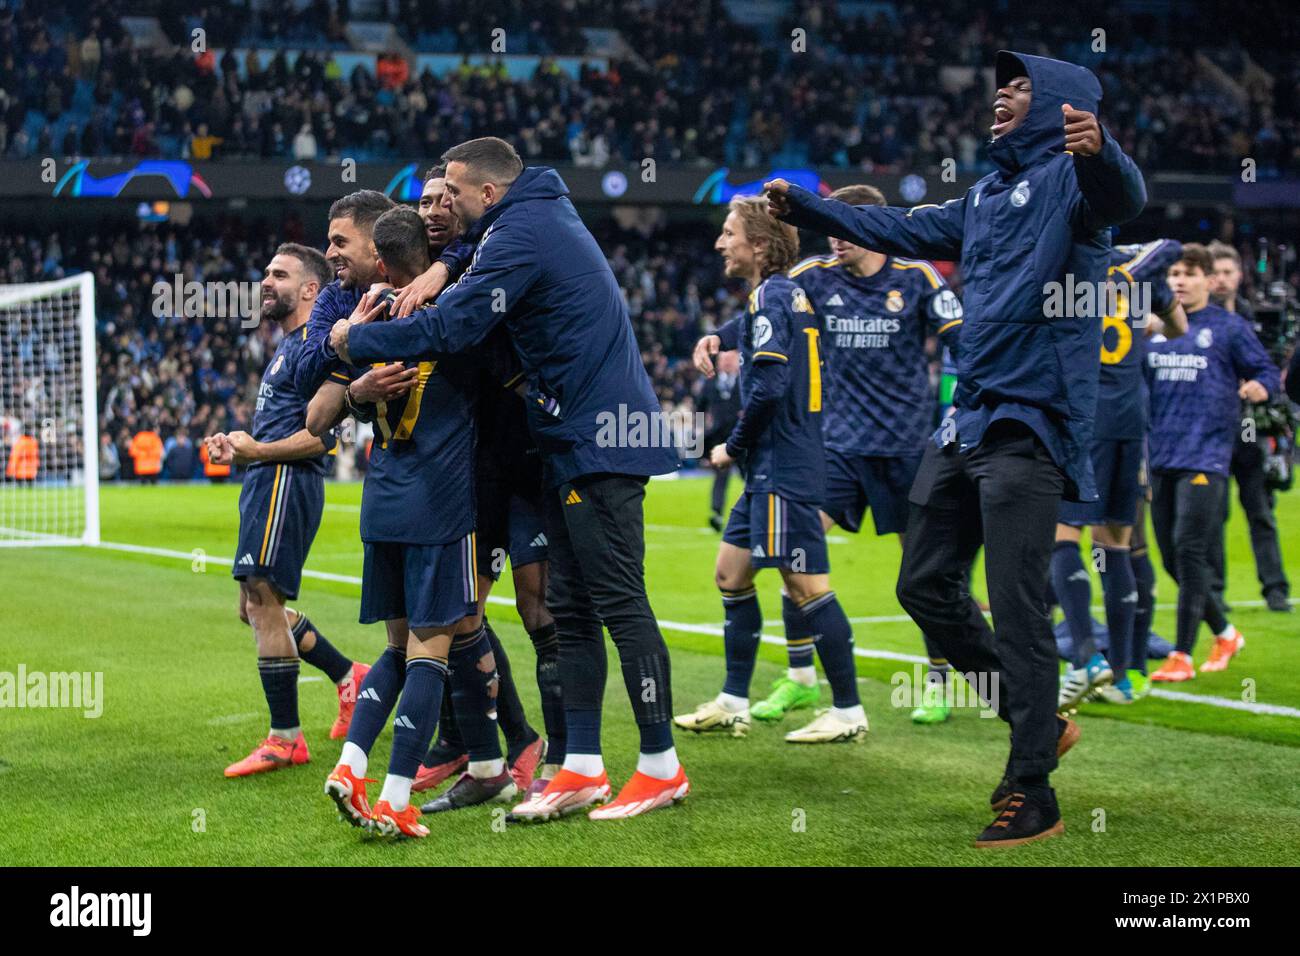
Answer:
(182, 377)
(885, 93)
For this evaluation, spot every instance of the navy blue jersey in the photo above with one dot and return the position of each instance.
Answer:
(786, 455)
(879, 400)
(420, 484)
(281, 408)
(319, 364)
(1121, 392)
(1195, 412)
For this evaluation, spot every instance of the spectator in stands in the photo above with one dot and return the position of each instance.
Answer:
(110, 463)
(180, 457)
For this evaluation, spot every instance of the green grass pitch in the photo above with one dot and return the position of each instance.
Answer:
(1165, 782)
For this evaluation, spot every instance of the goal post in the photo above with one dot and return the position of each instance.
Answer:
(49, 422)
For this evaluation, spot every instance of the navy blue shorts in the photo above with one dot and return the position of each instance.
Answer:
(509, 526)
(855, 483)
(431, 585)
(1119, 465)
(779, 533)
(279, 513)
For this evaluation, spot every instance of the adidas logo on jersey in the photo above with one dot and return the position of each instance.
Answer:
(247, 559)
(369, 694)
(573, 498)
(539, 541)
(758, 551)
(835, 300)
(404, 722)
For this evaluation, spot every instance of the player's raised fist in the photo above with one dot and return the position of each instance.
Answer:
(245, 447)
(778, 201)
(1082, 131)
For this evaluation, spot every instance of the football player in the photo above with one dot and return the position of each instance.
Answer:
(777, 522)
(280, 507)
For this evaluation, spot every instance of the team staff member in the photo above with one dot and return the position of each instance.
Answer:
(1026, 396)
(536, 267)
(1247, 467)
(1195, 398)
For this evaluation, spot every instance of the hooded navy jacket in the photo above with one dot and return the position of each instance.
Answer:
(1042, 216)
(591, 406)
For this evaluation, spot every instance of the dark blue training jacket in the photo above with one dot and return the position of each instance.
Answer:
(1042, 216)
(591, 406)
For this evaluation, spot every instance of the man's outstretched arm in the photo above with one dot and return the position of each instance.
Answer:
(503, 270)
(925, 232)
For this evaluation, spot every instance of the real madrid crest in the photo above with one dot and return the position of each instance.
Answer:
(1204, 339)
(1020, 195)
(279, 364)
(894, 301)
(799, 301)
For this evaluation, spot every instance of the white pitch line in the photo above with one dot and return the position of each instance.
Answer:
(1273, 710)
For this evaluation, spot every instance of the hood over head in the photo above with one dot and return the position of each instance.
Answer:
(1042, 132)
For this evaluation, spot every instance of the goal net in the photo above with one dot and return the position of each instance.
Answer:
(49, 443)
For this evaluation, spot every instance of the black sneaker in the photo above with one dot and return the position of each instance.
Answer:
(1067, 735)
(1028, 816)
(470, 791)
(1277, 601)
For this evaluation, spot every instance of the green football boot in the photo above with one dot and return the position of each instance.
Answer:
(931, 714)
(786, 695)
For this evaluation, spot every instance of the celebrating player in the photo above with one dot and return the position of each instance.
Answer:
(280, 508)
(876, 312)
(508, 485)
(1197, 382)
(1026, 396)
(417, 524)
(537, 268)
(1118, 460)
(776, 523)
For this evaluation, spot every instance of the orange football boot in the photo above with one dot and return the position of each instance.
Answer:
(1225, 649)
(644, 793)
(567, 792)
(271, 754)
(1176, 668)
(348, 700)
(426, 778)
(398, 824)
(348, 792)
(525, 765)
